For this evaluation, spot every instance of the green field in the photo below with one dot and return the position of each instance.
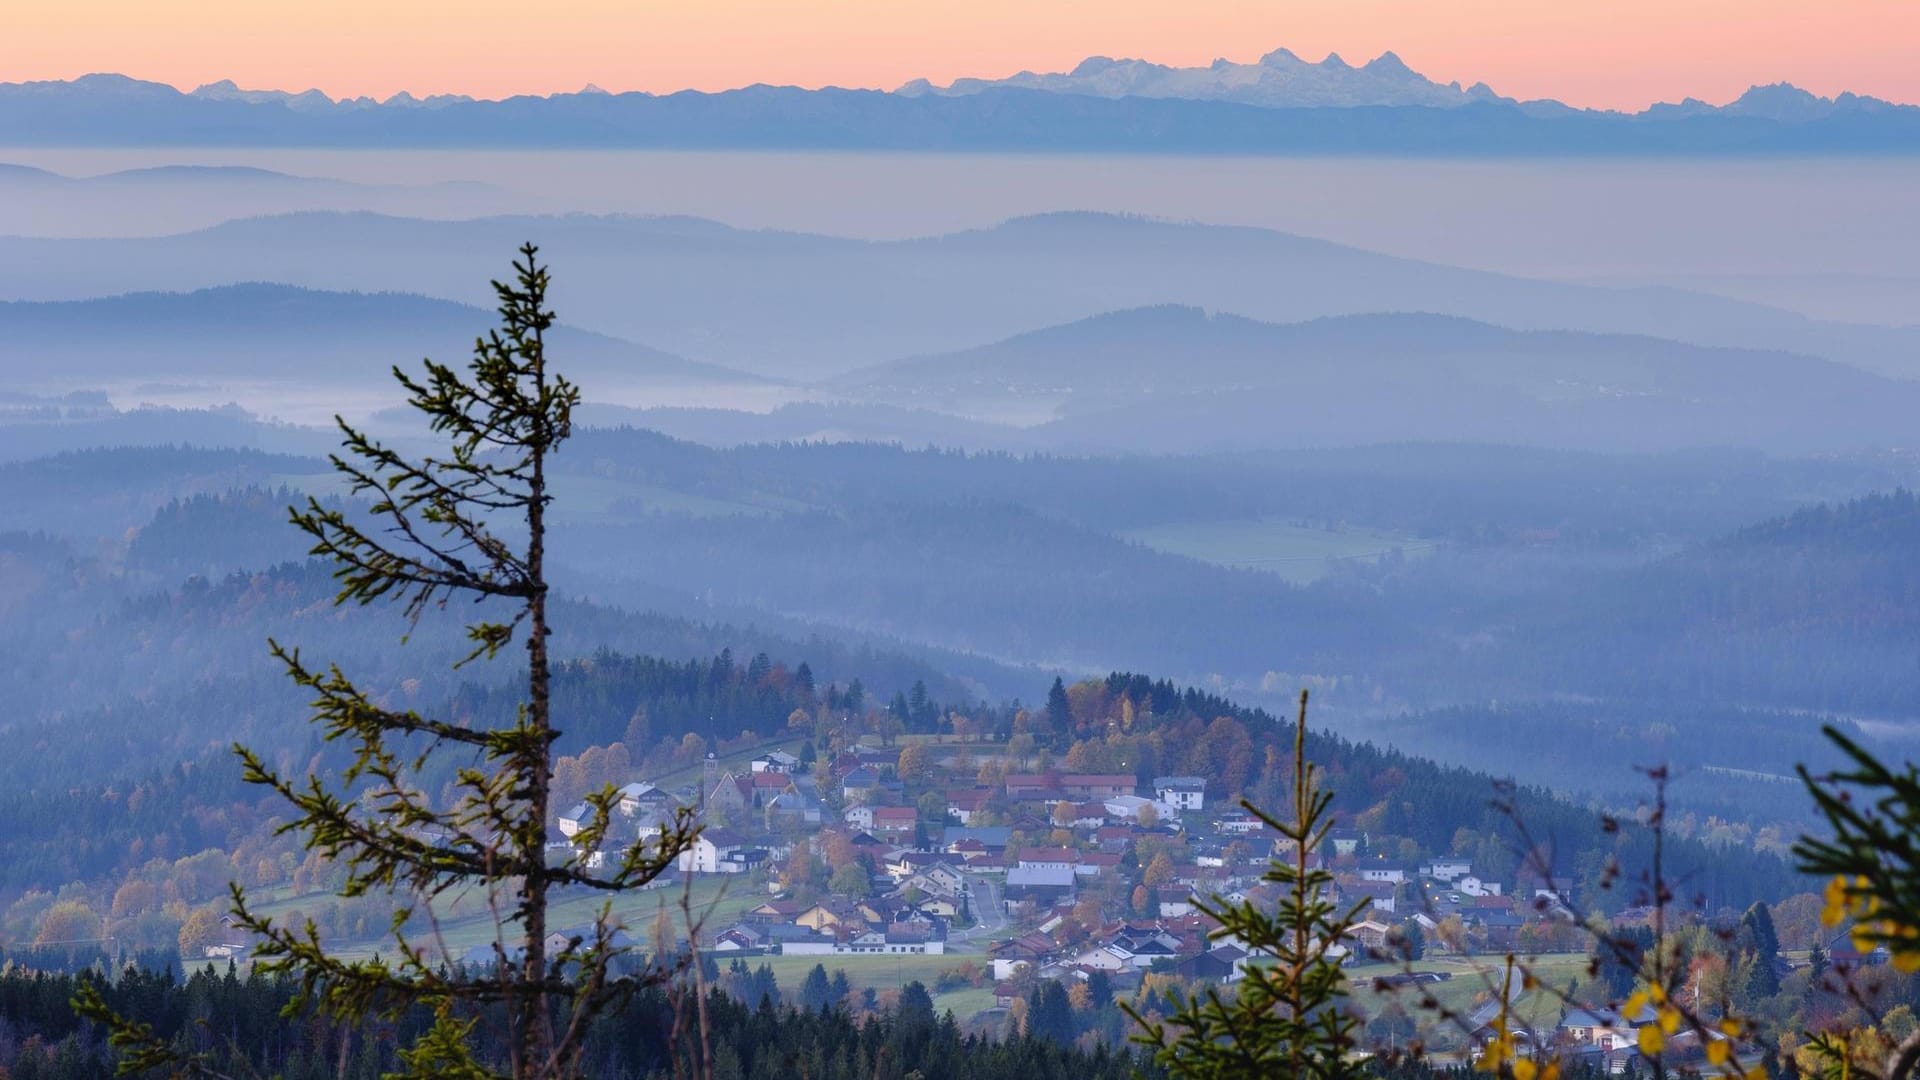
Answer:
(1297, 552)
(1473, 981)
(883, 973)
(716, 900)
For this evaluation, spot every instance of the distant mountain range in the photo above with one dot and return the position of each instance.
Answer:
(1280, 80)
(799, 306)
(175, 198)
(1176, 378)
(1281, 105)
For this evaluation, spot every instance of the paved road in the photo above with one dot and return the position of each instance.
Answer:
(992, 918)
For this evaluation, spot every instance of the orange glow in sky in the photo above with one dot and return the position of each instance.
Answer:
(1602, 53)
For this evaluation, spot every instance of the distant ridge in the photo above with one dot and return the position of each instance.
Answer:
(799, 306)
(270, 330)
(1180, 378)
(1280, 105)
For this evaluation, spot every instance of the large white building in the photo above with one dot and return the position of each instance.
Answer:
(714, 852)
(1181, 792)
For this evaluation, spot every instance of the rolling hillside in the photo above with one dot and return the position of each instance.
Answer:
(1177, 378)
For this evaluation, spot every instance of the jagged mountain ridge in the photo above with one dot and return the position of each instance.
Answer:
(1279, 79)
(1297, 108)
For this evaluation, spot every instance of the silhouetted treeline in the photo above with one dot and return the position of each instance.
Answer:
(237, 1020)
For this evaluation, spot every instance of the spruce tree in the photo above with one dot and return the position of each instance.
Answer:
(1059, 708)
(469, 525)
(1287, 1017)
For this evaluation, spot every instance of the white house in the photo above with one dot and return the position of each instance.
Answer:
(1447, 869)
(1239, 823)
(1181, 792)
(860, 817)
(573, 820)
(936, 880)
(712, 853)
(1100, 958)
(634, 796)
(1473, 886)
(1392, 875)
(1127, 808)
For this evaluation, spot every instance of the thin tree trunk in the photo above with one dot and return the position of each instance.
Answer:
(538, 1034)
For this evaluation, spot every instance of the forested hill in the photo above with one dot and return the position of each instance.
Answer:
(1884, 525)
(1815, 610)
(1415, 806)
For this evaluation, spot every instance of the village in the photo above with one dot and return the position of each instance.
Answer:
(1095, 879)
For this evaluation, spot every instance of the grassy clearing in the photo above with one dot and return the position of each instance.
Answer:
(718, 900)
(1295, 552)
(1473, 982)
(881, 972)
(964, 1004)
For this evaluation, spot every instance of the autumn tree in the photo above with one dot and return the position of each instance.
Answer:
(467, 527)
(202, 929)
(69, 922)
(1158, 872)
(915, 764)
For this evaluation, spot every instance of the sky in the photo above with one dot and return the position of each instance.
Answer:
(1596, 53)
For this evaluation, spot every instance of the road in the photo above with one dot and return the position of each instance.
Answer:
(987, 909)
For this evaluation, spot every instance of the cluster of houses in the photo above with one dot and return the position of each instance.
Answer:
(894, 924)
(1053, 838)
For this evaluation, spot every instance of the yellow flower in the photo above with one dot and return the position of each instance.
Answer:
(1525, 1070)
(1669, 1019)
(1906, 963)
(1863, 938)
(1718, 1052)
(1651, 1041)
(1732, 1027)
(1834, 910)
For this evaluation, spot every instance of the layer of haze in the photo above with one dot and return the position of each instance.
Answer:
(1597, 53)
(1830, 238)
